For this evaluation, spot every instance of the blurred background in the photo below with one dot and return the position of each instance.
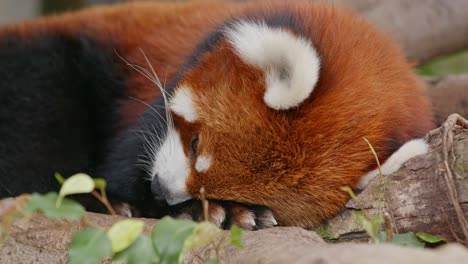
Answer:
(17, 10)
(14, 10)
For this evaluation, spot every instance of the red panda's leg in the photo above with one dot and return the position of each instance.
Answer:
(226, 213)
(409, 150)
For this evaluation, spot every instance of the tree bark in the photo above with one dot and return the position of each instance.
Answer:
(45, 241)
(42, 240)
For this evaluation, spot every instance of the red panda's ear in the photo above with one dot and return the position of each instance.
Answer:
(290, 62)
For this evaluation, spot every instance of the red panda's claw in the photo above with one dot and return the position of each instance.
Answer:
(123, 209)
(248, 217)
(266, 218)
(224, 214)
(216, 214)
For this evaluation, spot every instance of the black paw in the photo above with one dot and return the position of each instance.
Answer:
(225, 214)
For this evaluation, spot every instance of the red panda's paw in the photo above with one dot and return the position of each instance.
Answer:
(248, 217)
(123, 209)
(225, 214)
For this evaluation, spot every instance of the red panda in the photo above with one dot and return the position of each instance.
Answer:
(263, 105)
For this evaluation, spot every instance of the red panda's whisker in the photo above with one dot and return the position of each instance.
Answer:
(164, 93)
(150, 146)
(155, 75)
(152, 136)
(136, 67)
(143, 161)
(150, 107)
(156, 144)
(159, 106)
(146, 74)
(151, 142)
(164, 84)
(154, 79)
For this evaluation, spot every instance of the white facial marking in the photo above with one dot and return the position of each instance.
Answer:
(172, 167)
(182, 104)
(203, 163)
(409, 150)
(291, 64)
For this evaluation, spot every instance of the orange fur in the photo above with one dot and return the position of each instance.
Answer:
(293, 161)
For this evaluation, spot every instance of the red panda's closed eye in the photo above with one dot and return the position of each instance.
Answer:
(194, 146)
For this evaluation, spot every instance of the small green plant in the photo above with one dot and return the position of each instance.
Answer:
(170, 240)
(373, 228)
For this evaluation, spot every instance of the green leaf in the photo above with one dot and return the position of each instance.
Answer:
(89, 246)
(407, 240)
(211, 261)
(47, 204)
(349, 191)
(59, 178)
(78, 183)
(140, 252)
(431, 239)
(371, 226)
(203, 234)
(382, 237)
(123, 233)
(236, 235)
(169, 236)
(100, 184)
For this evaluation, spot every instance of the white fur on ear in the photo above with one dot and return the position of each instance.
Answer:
(291, 64)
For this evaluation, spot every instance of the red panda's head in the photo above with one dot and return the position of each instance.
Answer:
(272, 112)
(232, 114)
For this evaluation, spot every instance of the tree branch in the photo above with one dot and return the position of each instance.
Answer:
(424, 28)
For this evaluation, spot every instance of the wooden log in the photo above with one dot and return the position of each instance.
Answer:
(45, 241)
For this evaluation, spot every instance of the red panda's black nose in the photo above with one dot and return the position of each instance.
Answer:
(159, 192)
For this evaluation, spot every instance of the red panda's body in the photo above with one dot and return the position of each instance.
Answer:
(238, 143)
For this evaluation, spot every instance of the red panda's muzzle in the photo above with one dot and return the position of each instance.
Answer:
(160, 193)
